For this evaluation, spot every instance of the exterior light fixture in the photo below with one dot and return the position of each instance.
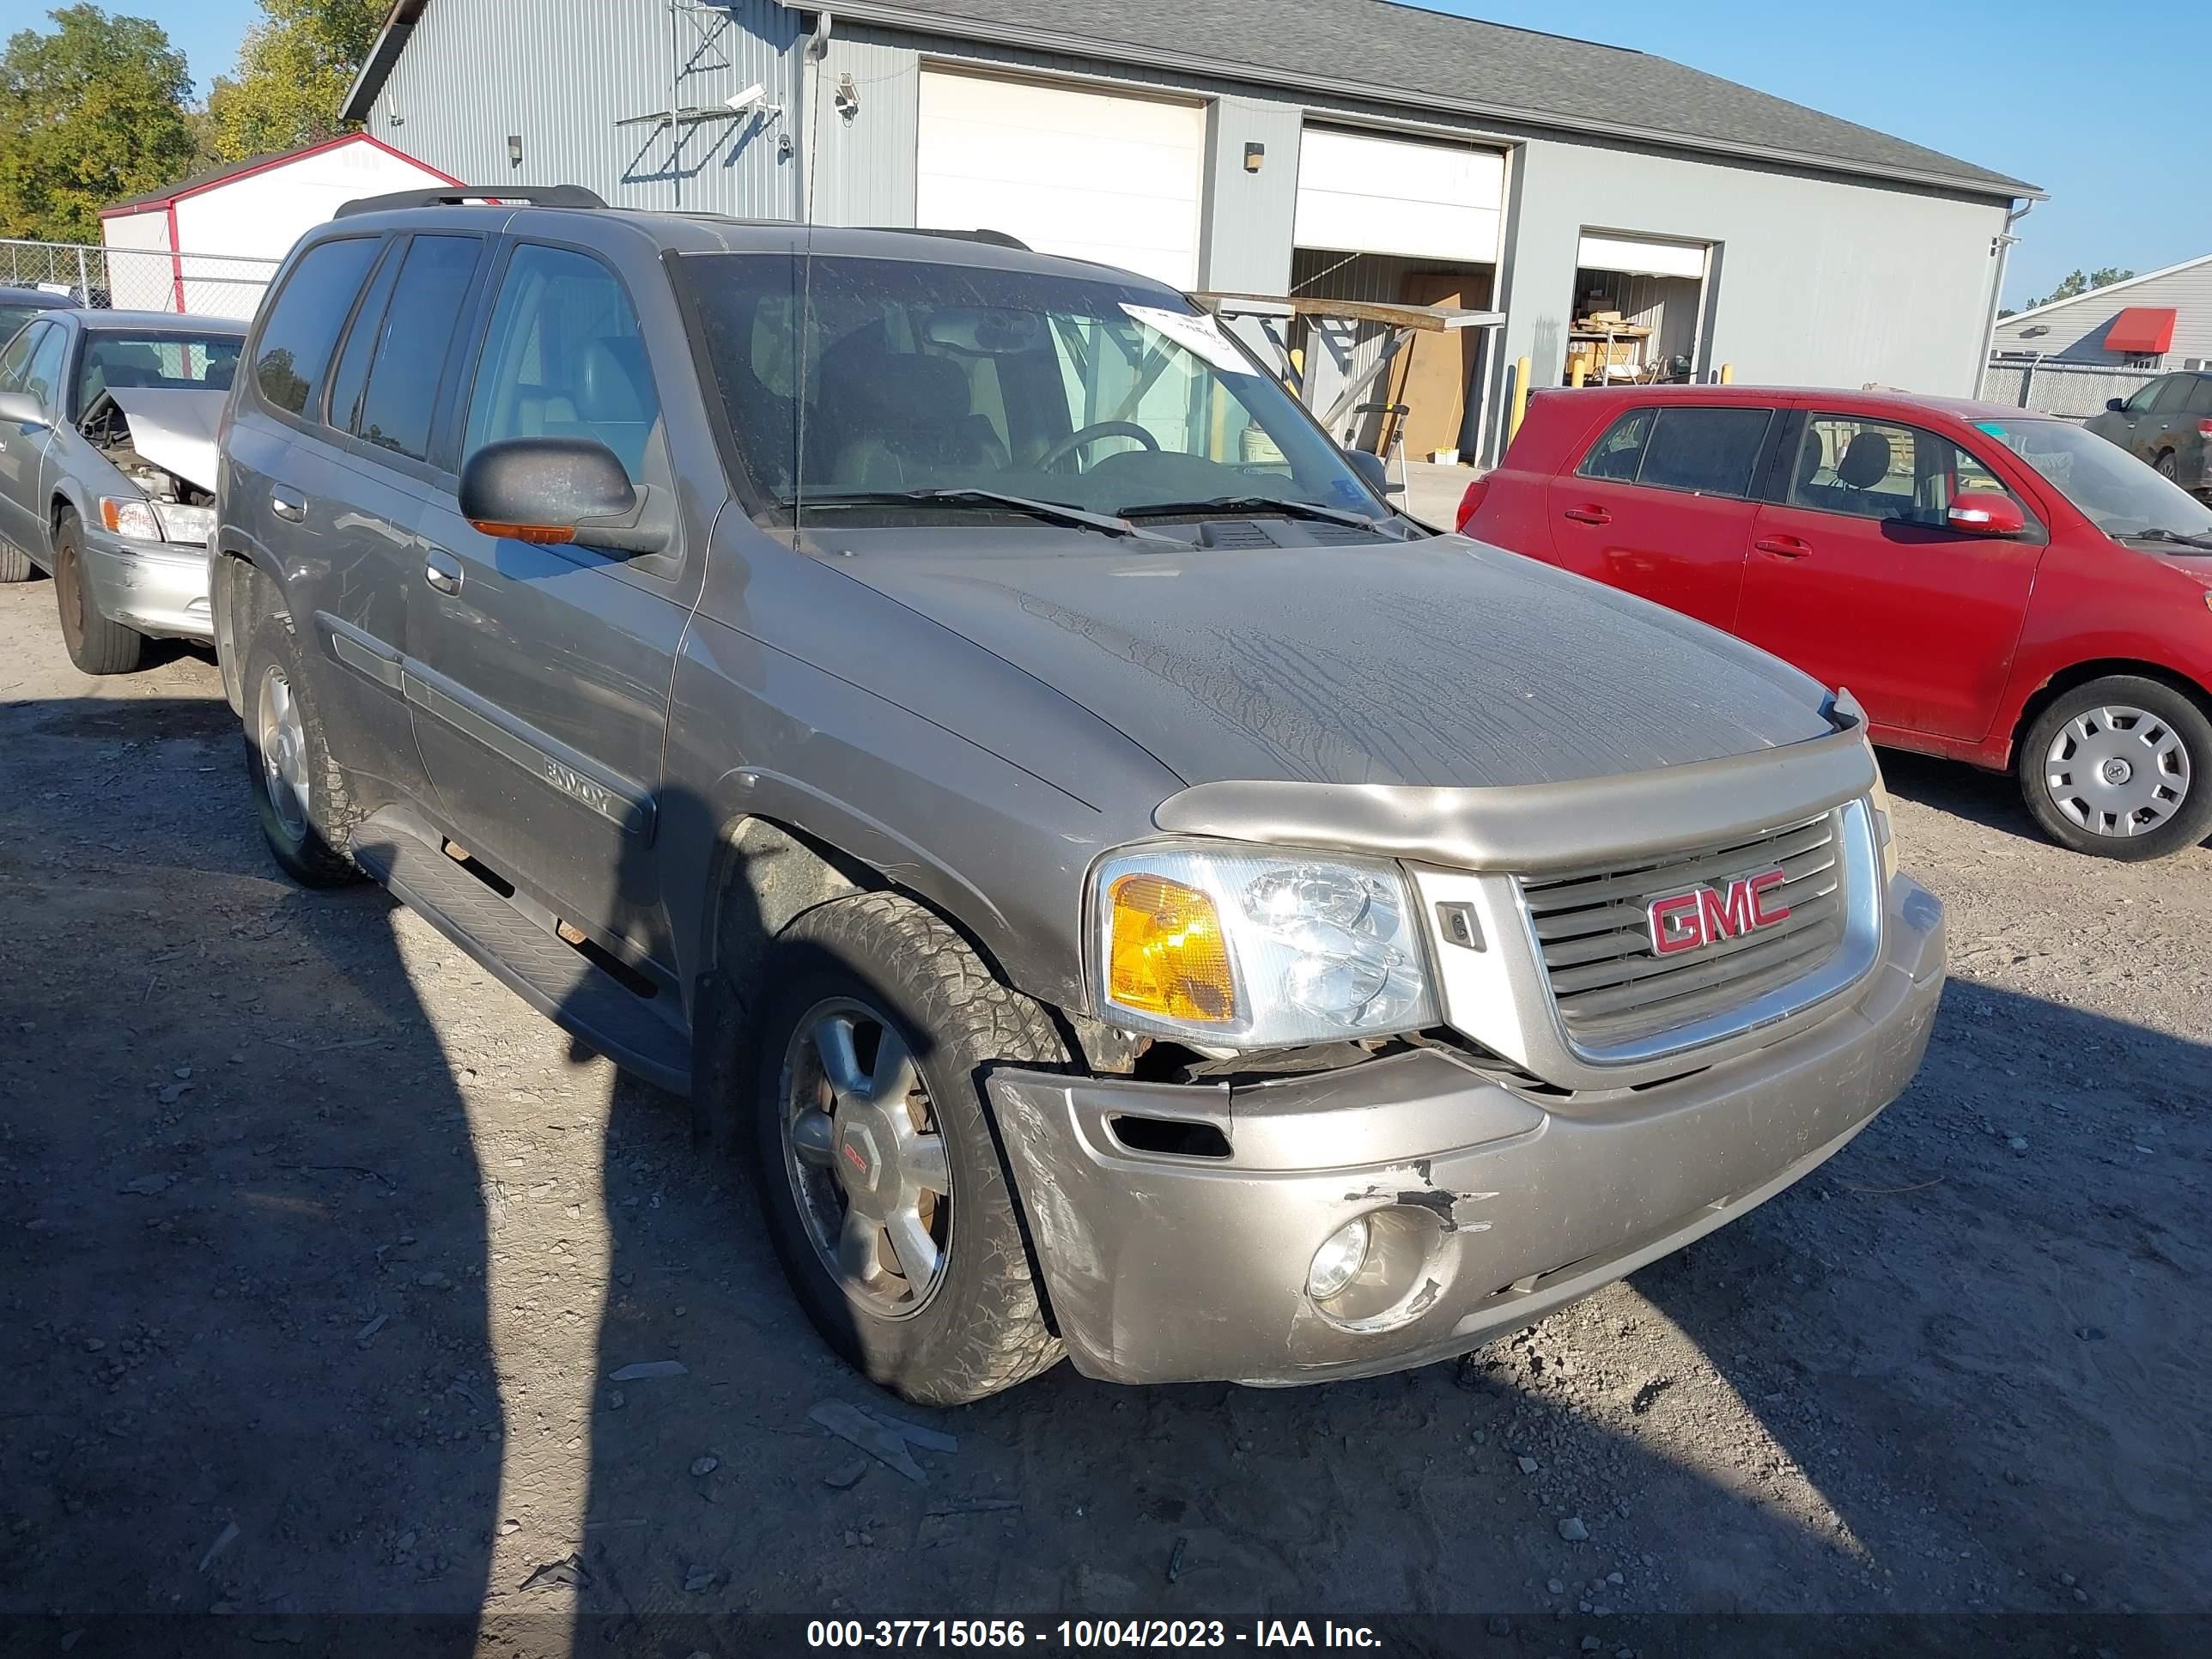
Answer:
(514, 149)
(1254, 155)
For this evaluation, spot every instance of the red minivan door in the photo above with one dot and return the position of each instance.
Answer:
(1855, 577)
(1660, 505)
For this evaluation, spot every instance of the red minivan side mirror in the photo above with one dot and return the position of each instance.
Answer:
(1985, 513)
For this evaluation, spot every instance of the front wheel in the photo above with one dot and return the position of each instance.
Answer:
(96, 644)
(886, 1198)
(2121, 768)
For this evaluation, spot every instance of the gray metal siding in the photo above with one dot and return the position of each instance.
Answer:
(2075, 331)
(864, 156)
(1244, 244)
(472, 73)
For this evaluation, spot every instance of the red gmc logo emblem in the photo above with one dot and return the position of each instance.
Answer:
(1706, 915)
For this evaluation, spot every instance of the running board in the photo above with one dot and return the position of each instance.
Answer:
(553, 978)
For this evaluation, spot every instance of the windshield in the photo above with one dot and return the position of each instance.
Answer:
(2120, 496)
(892, 376)
(179, 360)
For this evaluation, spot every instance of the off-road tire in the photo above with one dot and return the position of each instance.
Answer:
(983, 1329)
(96, 644)
(2190, 822)
(312, 860)
(15, 564)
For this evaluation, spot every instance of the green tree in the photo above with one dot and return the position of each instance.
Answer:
(294, 69)
(2076, 282)
(89, 113)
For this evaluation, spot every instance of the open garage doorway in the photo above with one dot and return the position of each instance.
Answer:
(1401, 220)
(1640, 310)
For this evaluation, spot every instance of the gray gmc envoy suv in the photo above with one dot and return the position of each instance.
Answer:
(1127, 889)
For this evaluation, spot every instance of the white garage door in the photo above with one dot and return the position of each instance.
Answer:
(1090, 174)
(1364, 193)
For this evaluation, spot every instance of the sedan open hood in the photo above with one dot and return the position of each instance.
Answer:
(1440, 663)
(174, 428)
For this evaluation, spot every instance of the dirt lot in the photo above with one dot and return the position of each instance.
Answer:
(325, 1254)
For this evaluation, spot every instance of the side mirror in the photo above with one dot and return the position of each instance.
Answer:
(1985, 513)
(1373, 471)
(2116, 405)
(22, 409)
(552, 491)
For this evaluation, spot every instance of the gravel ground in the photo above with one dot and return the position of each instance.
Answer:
(327, 1256)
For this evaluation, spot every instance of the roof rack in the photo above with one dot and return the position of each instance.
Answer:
(995, 238)
(552, 196)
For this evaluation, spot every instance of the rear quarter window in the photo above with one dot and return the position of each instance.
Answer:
(1708, 449)
(294, 348)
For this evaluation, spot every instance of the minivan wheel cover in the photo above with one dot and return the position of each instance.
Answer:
(283, 743)
(2116, 770)
(870, 1172)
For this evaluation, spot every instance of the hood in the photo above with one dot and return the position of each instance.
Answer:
(1440, 663)
(174, 428)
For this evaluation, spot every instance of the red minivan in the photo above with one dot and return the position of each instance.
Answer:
(1994, 585)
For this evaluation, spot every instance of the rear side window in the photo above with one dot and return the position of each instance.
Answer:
(295, 341)
(564, 357)
(2200, 401)
(2173, 394)
(1710, 451)
(414, 342)
(351, 373)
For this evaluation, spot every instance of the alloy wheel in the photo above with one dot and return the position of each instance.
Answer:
(282, 742)
(2116, 770)
(865, 1161)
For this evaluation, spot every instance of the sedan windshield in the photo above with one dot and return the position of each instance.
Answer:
(171, 360)
(902, 387)
(2120, 496)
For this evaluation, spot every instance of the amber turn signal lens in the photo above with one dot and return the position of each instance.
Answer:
(1166, 954)
(542, 535)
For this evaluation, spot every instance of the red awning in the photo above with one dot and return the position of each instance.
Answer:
(2142, 329)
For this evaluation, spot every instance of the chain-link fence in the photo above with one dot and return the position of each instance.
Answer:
(139, 279)
(2072, 391)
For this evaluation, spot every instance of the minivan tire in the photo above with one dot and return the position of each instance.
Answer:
(2176, 716)
(981, 1327)
(297, 838)
(96, 644)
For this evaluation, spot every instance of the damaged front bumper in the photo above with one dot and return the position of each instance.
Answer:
(1492, 1206)
(158, 588)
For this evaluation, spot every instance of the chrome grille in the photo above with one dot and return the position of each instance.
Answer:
(1610, 986)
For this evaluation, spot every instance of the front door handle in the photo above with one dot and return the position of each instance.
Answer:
(442, 570)
(1784, 547)
(1589, 515)
(288, 504)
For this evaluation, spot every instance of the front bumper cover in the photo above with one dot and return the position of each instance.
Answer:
(1167, 1268)
(158, 590)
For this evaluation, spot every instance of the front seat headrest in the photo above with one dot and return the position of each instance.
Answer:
(1866, 463)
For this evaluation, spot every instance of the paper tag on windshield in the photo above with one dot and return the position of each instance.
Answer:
(1198, 331)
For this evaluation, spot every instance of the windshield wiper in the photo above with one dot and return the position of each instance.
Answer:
(2160, 533)
(1242, 504)
(1058, 512)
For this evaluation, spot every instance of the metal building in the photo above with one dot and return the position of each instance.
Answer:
(2161, 319)
(1624, 211)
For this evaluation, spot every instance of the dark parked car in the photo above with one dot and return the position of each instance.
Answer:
(1124, 899)
(107, 464)
(2167, 424)
(19, 305)
(1995, 586)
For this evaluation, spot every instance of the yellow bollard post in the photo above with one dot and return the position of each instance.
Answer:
(1578, 371)
(1520, 396)
(1728, 373)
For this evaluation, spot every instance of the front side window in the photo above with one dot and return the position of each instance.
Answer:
(161, 358)
(564, 358)
(16, 360)
(413, 341)
(2140, 400)
(843, 378)
(1883, 469)
(42, 376)
(294, 347)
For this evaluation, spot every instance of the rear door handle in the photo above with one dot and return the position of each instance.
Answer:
(442, 570)
(1589, 515)
(1784, 547)
(286, 504)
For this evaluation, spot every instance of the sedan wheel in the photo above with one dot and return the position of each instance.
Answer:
(867, 1163)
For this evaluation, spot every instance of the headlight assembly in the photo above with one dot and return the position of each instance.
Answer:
(1253, 950)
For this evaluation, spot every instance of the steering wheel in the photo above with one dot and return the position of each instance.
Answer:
(1091, 434)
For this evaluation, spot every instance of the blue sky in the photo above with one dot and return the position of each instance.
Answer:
(2061, 94)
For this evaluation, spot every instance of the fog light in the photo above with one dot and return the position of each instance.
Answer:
(1339, 1260)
